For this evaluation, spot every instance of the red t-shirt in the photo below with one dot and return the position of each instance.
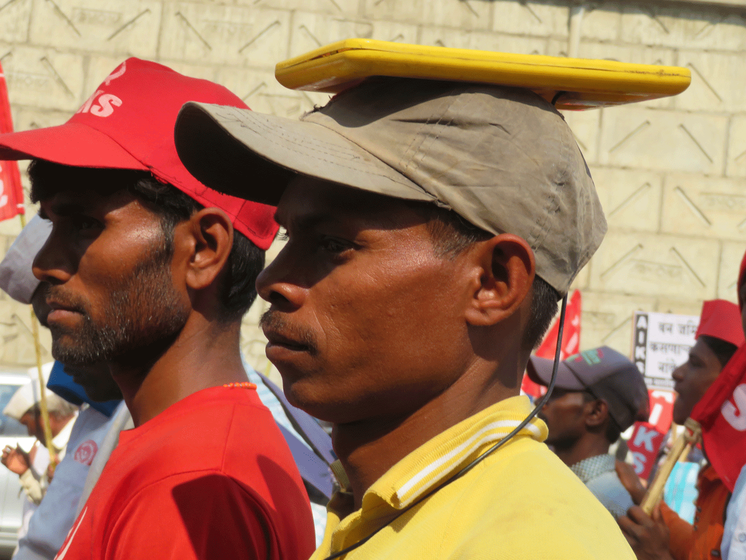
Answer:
(209, 478)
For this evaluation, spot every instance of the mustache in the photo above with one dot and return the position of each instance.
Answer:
(58, 295)
(274, 322)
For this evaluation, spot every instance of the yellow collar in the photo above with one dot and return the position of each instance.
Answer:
(448, 452)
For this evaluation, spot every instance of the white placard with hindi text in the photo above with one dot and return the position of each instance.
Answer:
(661, 344)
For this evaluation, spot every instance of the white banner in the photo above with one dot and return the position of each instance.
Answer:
(661, 343)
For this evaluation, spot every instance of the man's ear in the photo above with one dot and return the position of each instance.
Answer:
(503, 270)
(597, 413)
(210, 237)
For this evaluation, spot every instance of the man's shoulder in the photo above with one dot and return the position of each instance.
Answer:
(529, 491)
(225, 431)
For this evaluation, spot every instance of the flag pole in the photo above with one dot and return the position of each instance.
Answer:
(42, 385)
(681, 447)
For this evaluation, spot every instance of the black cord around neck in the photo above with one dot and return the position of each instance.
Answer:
(491, 450)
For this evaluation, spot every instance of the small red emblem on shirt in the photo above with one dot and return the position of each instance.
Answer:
(85, 452)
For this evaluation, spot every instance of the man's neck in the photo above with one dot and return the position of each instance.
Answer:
(368, 449)
(590, 445)
(205, 354)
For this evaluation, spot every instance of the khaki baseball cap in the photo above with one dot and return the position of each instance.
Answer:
(502, 158)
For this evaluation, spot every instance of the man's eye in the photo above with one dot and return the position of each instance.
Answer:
(84, 222)
(333, 245)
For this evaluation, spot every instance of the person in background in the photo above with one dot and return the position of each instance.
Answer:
(25, 407)
(38, 458)
(665, 535)
(598, 395)
(150, 272)
(733, 545)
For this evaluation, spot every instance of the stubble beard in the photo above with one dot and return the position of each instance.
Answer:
(143, 316)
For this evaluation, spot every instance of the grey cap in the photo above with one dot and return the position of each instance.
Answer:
(16, 277)
(604, 373)
(503, 158)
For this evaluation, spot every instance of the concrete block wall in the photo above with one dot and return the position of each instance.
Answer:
(671, 173)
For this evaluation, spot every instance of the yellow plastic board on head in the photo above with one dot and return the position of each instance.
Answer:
(570, 83)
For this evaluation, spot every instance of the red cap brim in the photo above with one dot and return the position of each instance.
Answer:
(68, 144)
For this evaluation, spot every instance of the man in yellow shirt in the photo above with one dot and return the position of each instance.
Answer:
(432, 227)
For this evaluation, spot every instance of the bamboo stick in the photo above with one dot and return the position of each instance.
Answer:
(682, 445)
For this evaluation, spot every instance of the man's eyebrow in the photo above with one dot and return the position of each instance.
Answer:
(67, 208)
(305, 222)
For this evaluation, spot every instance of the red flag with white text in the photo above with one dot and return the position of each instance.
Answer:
(647, 437)
(11, 190)
(570, 342)
(722, 414)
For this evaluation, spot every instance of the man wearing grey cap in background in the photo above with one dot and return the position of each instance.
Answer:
(599, 394)
(432, 228)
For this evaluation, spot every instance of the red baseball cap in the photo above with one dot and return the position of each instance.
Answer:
(721, 319)
(128, 123)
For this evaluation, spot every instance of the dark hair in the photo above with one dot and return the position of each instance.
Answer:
(613, 431)
(723, 350)
(452, 235)
(245, 261)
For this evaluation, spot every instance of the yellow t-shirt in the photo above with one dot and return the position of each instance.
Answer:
(521, 502)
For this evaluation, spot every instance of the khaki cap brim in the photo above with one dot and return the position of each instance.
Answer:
(254, 156)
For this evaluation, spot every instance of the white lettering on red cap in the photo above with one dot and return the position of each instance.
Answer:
(105, 101)
(104, 106)
(116, 73)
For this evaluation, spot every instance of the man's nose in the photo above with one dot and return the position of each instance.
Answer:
(52, 263)
(277, 283)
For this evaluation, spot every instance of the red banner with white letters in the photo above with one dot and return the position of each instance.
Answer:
(11, 190)
(647, 437)
(570, 342)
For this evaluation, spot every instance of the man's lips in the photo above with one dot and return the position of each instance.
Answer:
(277, 339)
(60, 311)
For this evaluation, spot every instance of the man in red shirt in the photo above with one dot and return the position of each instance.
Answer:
(151, 272)
(666, 535)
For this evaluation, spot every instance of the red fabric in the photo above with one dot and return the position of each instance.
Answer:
(721, 319)
(11, 190)
(741, 279)
(128, 123)
(722, 414)
(644, 444)
(570, 342)
(209, 478)
(700, 541)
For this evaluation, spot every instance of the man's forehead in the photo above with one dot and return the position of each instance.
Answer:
(77, 200)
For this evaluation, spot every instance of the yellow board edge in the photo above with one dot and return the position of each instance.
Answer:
(582, 83)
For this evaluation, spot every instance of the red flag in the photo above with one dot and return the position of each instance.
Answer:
(570, 342)
(722, 415)
(644, 445)
(11, 190)
(647, 436)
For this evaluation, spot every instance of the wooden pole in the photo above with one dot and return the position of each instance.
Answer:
(682, 445)
(42, 385)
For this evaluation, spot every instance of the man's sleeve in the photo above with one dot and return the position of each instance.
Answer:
(32, 487)
(201, 516)
(682, 533)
